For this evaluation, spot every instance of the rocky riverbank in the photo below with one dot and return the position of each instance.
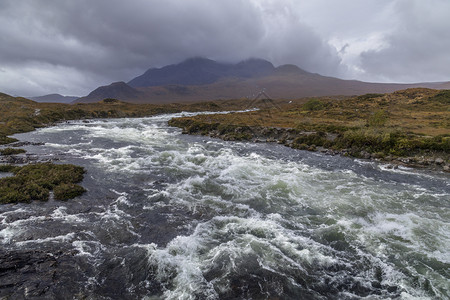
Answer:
(324, 142)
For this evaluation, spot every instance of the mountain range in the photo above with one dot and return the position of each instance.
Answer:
(54, 98)
(198, 79)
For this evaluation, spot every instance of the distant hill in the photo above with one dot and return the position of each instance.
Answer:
(117, 90)
(199, 79)
(444, 86)
(54, 98)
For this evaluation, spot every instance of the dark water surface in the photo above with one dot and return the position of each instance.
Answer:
(170, 216)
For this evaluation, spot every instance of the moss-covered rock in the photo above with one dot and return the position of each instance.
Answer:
(11, 151)
(66, 191)
(35, 181)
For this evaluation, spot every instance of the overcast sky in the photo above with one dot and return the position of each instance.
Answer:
(73, 46)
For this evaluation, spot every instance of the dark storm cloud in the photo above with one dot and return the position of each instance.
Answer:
(417, 49)
(96, 42)
(71, 47)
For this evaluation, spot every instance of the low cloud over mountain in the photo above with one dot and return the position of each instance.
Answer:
(71, 47)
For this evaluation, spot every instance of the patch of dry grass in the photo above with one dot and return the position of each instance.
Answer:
(400, 123)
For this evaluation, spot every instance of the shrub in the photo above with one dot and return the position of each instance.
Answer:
(313, 104)
(378, 119)
(7, 168)
(371, 140)
(442, 97)
(318, 139)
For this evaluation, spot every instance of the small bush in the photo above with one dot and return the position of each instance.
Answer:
(378, 119)
(313, 104)
(318, 139)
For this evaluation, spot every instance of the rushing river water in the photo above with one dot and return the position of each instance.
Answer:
(172, 216)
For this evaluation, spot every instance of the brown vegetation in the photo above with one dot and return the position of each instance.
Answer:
(412, 122)
(22, 115)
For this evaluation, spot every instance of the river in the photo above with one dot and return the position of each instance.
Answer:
(173, 216)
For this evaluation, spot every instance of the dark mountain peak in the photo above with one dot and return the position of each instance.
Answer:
(198, 61)
(201, 71)
(193, 71)
(199, 78)
(108, 91)
(252, 62)
(254, 67)
(119, 84)
(118, 90)
(290, 69)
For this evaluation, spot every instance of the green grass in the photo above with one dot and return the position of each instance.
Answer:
(36, 181)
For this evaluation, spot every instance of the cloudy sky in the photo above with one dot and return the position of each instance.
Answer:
(71, 47)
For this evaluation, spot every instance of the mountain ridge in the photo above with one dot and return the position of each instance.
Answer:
(54, 98)
(200, 79)
(200, 71)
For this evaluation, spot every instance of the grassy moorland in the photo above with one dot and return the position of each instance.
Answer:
(36, 181)
(410, 126)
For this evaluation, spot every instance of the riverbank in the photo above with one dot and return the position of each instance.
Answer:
(18, 115)
(409, 128)
(308, 140)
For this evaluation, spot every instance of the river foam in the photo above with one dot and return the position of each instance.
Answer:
(188, 217)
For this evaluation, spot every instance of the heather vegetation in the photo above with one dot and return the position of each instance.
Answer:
(413, 123)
